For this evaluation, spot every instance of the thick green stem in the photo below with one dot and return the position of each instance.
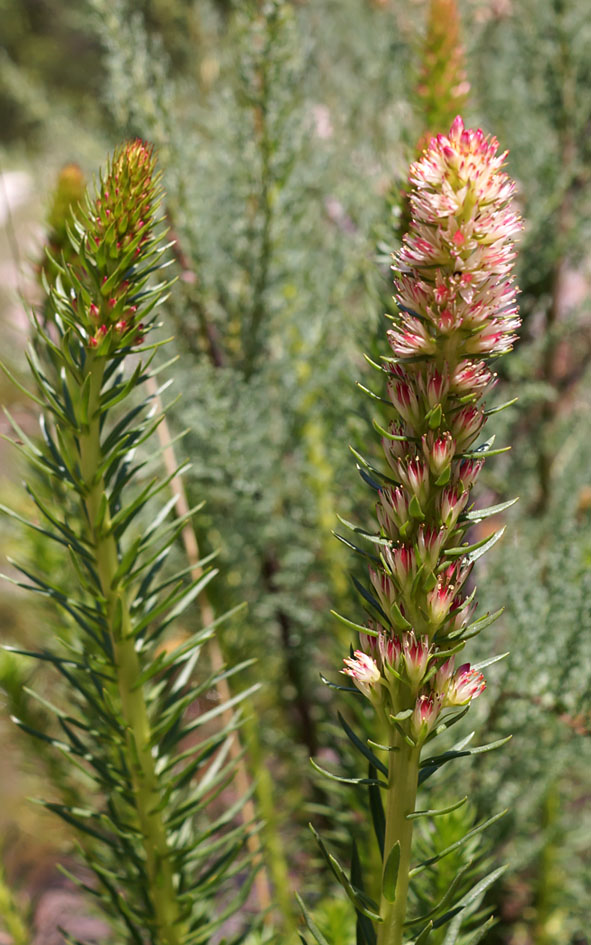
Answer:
(400, 801)
(147, 797)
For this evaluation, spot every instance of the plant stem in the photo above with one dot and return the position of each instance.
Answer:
(403, 770)
(147, 797)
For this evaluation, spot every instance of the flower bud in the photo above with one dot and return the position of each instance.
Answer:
(410, 338)
(429, 544)
(425, 715)
(451, 506)
(460, 614)
(465, 425)
(438, 602)
(416, 657)
(443, 675)
(438, 451)
(385, 589)
(390, 650)
(395, 449)
(392, 510)
(433, 387)
(405, 401)
(403, 565)
(414, 475)
(467, 473)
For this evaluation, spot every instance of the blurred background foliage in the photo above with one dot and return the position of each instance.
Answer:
(284, 132)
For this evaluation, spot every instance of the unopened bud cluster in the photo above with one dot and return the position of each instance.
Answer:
(457, 305)
(113, 235)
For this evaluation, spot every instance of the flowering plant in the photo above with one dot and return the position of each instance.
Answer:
(456, 312)
(138, 772)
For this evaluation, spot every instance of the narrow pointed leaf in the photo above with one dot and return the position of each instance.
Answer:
(390, 877)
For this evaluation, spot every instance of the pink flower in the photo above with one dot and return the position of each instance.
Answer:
(464, 686)
(363, 671)
(470, 377)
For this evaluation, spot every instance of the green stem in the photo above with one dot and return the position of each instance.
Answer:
(147, 796)
(401, 798)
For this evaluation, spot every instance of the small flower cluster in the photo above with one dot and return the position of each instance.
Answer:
(115, 232)
(457, 306)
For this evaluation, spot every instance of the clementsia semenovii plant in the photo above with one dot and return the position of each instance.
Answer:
(136, 781)
(456, 312)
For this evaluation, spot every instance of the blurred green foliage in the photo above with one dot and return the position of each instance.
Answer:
(281, 128)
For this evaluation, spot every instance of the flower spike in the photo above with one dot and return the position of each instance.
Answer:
(456, 310)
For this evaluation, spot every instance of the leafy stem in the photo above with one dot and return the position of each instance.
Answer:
(126, 663)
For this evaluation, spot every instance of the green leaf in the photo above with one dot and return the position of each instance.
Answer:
(399, 621)
(373, 396)
(444, 477)
(369, 536)
(356, 548)
(442, 904)
(454, 846)
(331, 685)
(478, 625)
(481, 546)
(472, 896)
(430, 765)
(376, 808)
(479, 453)
(393, 436)
(362, 747)
(362, 903)
(424, 934)
(415, 509)
(354, 626)
(336, 777)
(312, 927)
(489, 662)
(477, 515)
(508, 403)
(442, 920)
(434, 417)
(367, 596)
(390, 875)
(439, 811)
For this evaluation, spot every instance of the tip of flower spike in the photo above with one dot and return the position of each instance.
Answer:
(457, 127)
